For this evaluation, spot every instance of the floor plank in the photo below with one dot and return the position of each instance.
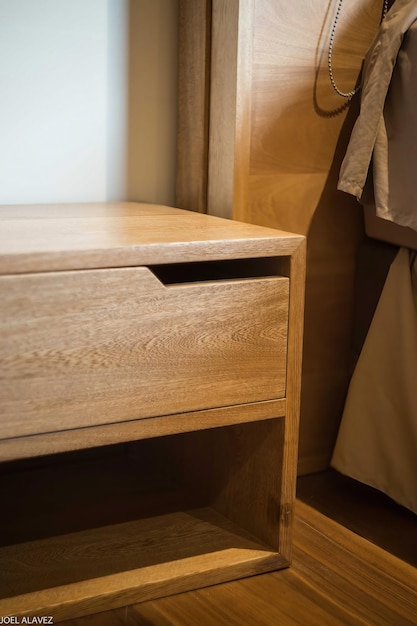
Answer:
(364, 510)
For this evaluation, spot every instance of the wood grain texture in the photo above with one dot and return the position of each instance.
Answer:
(230, 105)
(251, 493)
(382, 586)
(279, 133)
(193, 104)
(88, 348)
(364, 510)
(118, 565)
(197, 344)
(239, 468)
(66, 237)
(107, 434)
(296, 269)
(296, 150)
(86, 489)
(61, 563)
(336, 578)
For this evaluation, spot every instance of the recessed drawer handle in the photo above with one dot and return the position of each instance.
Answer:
(236, 269)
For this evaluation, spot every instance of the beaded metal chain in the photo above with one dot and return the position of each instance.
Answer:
(349, 94)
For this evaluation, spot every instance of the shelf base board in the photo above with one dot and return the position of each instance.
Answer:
(91, 571)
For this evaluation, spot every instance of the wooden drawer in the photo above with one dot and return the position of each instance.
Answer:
(85, 348)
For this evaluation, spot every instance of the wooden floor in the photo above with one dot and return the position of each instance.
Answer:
(337, 576)
(366, 511)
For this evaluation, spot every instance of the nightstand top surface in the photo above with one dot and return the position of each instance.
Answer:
(38, 238)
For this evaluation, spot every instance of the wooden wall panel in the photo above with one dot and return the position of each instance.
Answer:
(230, 105)
(194, 45)
(275, 153)
(294, 130)
(298, 138)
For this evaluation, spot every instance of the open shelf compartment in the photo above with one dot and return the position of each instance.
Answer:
(97, 529)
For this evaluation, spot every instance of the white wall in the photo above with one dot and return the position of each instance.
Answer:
(88, 100)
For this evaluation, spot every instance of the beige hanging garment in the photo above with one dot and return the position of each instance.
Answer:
(377, 440)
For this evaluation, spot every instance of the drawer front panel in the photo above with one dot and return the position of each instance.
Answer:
(103, 346)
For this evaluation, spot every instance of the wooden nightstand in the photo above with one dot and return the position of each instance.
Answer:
(150, 368)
